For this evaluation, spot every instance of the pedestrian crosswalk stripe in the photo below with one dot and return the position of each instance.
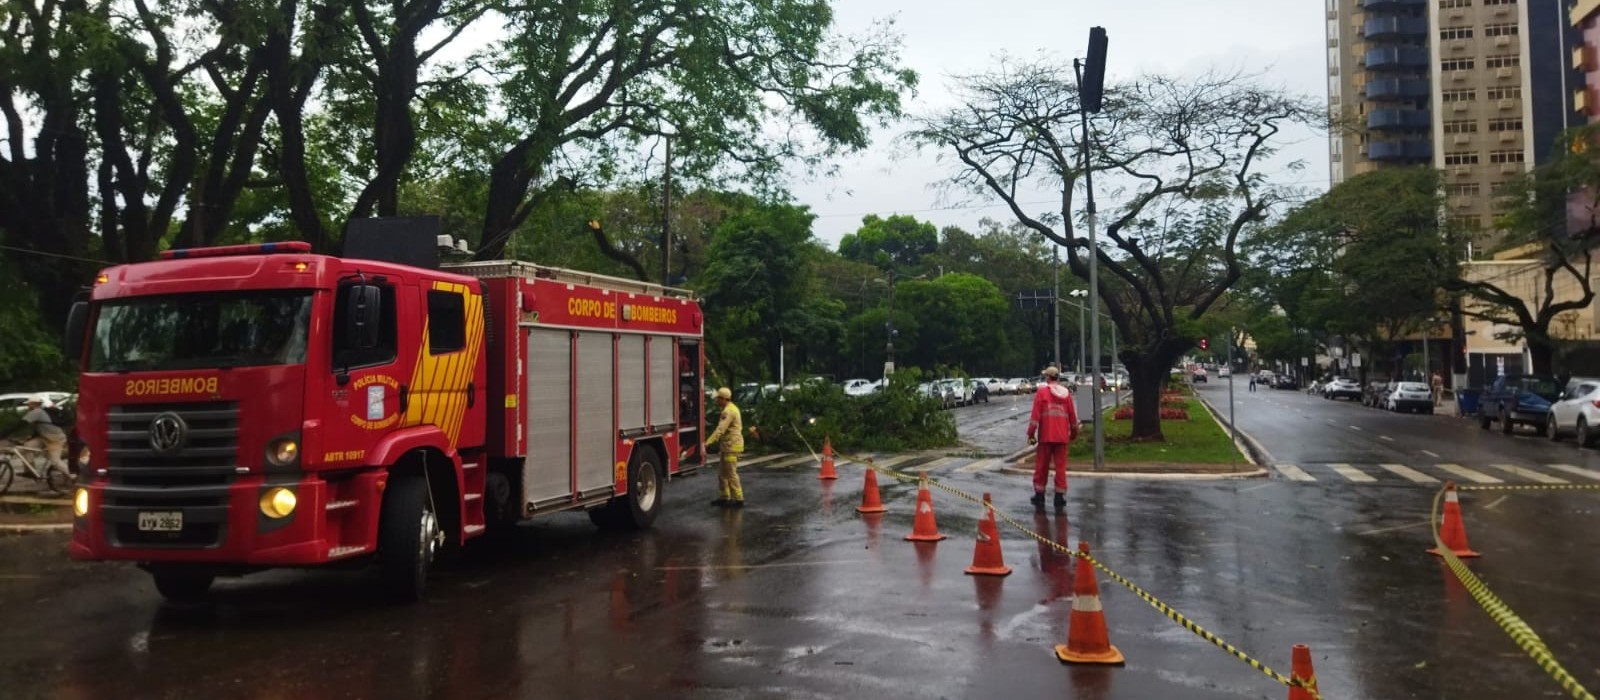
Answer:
(764, 459)
(1295, 473)
(1410, 473)
(979, 466)
(1351, 473)
(1469, 474)
(1530, 474)
(1580, 471)
(935, 464)
(892, 461)
(796, 461)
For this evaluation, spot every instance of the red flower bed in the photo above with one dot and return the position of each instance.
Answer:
(1174, 400)
(1126, 413)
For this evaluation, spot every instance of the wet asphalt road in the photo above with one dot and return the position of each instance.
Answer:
(797, 596)
(1000, 426)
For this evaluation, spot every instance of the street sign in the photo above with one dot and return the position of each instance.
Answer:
(1355, 360)
(1500, 366)
(888, 368)
(1304, 362)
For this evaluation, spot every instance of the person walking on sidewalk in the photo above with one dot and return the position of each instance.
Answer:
(1252, 382)
(1053, 424)
(729, 439)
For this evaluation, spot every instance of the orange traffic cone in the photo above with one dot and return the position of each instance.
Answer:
(827, 460)
(987, 559)
(1087, 642)
(924, 528)
(1305, 678)
(1453, 532)
(870, 503)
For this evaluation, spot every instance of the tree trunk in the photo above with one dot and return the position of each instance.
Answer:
(1542, 353)
(1148, 372)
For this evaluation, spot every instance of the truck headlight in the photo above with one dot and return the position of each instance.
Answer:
(278, 502)
(80, 502)
(283, 452)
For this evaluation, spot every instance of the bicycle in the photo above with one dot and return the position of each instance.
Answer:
(28, 461)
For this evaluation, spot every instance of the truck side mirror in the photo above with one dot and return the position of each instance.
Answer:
(77, 329)
(365, 310)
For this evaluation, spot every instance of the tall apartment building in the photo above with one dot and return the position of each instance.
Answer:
(1476, 88)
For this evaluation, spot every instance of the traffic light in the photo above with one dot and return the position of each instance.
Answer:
(1091, 86)
(1205, 344)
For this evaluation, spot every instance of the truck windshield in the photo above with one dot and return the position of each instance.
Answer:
(193, 331)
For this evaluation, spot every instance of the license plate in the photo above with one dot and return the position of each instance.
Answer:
(161, 521)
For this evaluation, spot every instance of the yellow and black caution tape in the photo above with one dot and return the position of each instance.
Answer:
(1308, 685)
(1533, 487)
(1513, 625)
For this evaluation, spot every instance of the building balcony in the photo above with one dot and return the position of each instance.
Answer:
(1399, 120)
(1394, 27)
(1400, 151)
(1397, 89)
(1398, 58)
(1380, 5)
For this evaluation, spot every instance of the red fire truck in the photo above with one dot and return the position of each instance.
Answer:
(259, 406)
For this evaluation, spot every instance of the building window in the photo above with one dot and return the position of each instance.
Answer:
(1500, 30)
(1465, 126)
(1499, 2)
(1467, 158)
(1514, 124)
(1464, 223)
(1456, 64)
(1505, 93)
(1463, 189)
(1457, 33)
(1505, 156)
(1501, 61)
(1467, 95)
(1447, 4)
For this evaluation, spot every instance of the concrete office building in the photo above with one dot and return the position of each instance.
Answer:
(1475, 88)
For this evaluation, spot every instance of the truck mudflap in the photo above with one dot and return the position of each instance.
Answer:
(329, 521)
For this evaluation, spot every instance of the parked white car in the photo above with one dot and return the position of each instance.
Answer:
(858, 387)
(19, 402)
(1576, 412)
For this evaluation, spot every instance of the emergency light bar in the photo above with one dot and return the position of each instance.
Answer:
(242, 249)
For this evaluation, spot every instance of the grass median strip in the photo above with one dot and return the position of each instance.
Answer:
(1198, 441)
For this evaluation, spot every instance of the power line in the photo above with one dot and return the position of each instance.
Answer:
(30, 251)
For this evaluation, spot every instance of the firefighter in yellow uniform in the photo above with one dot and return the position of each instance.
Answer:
(729, 438)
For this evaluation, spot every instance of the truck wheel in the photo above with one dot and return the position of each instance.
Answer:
(409, 538)
(637, 510)
(1505, 422)
(182, 586)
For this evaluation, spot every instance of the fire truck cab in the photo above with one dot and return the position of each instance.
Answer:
(259, 406)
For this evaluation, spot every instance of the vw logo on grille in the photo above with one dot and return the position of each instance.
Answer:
(167, 433)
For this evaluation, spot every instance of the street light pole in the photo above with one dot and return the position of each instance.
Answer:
(1055, 306)
(888, 365)
(1083, 348)
(1094, 269)
(1425, 365)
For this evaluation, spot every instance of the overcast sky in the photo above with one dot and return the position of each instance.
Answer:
(942, 38)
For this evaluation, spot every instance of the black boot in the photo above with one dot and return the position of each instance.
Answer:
(1061, 500)
(719, 502)
(1038, 500)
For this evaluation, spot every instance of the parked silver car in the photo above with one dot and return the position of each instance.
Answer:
(1576, 412)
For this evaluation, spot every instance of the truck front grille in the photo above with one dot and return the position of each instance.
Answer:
(193, 479)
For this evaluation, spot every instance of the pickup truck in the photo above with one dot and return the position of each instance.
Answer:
(1518, 399)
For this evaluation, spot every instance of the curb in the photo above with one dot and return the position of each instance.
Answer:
(1253, 450)
(25, 529)
(1152, 476)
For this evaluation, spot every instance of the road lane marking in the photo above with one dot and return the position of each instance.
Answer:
(1392, 529)
(764, 460)
(1293, 472)
(886, 463)
(979, 466)
(1580, 471)
(1351, 473)
(1430, 454)
(1530, 474)
(1354, 428)
(1409, 473)
(1386, 437)
(935, 464)
(1257, 487)
(1496, 503)
(802, 459)
(1468, 474)
(773, 565)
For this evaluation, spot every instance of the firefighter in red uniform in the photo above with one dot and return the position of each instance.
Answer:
(1053, 425)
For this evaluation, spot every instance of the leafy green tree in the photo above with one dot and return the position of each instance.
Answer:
(899, 242)
(961, 321)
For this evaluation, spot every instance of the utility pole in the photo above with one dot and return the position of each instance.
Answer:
(1233, 426)
(888, 365)
(1055, 303)
(1083, 348)
(1089, 100)
(666, 219)
(1426, 377)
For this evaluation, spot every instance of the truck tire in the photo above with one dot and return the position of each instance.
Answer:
(409, 538)
(182, 586)
(638, 509)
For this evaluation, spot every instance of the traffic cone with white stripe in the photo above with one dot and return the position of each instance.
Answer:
(1087, 640)
(987, 559)
(870, 501)
(924, 528)
(828, 471)
(1453, 532)
(1305, 678)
